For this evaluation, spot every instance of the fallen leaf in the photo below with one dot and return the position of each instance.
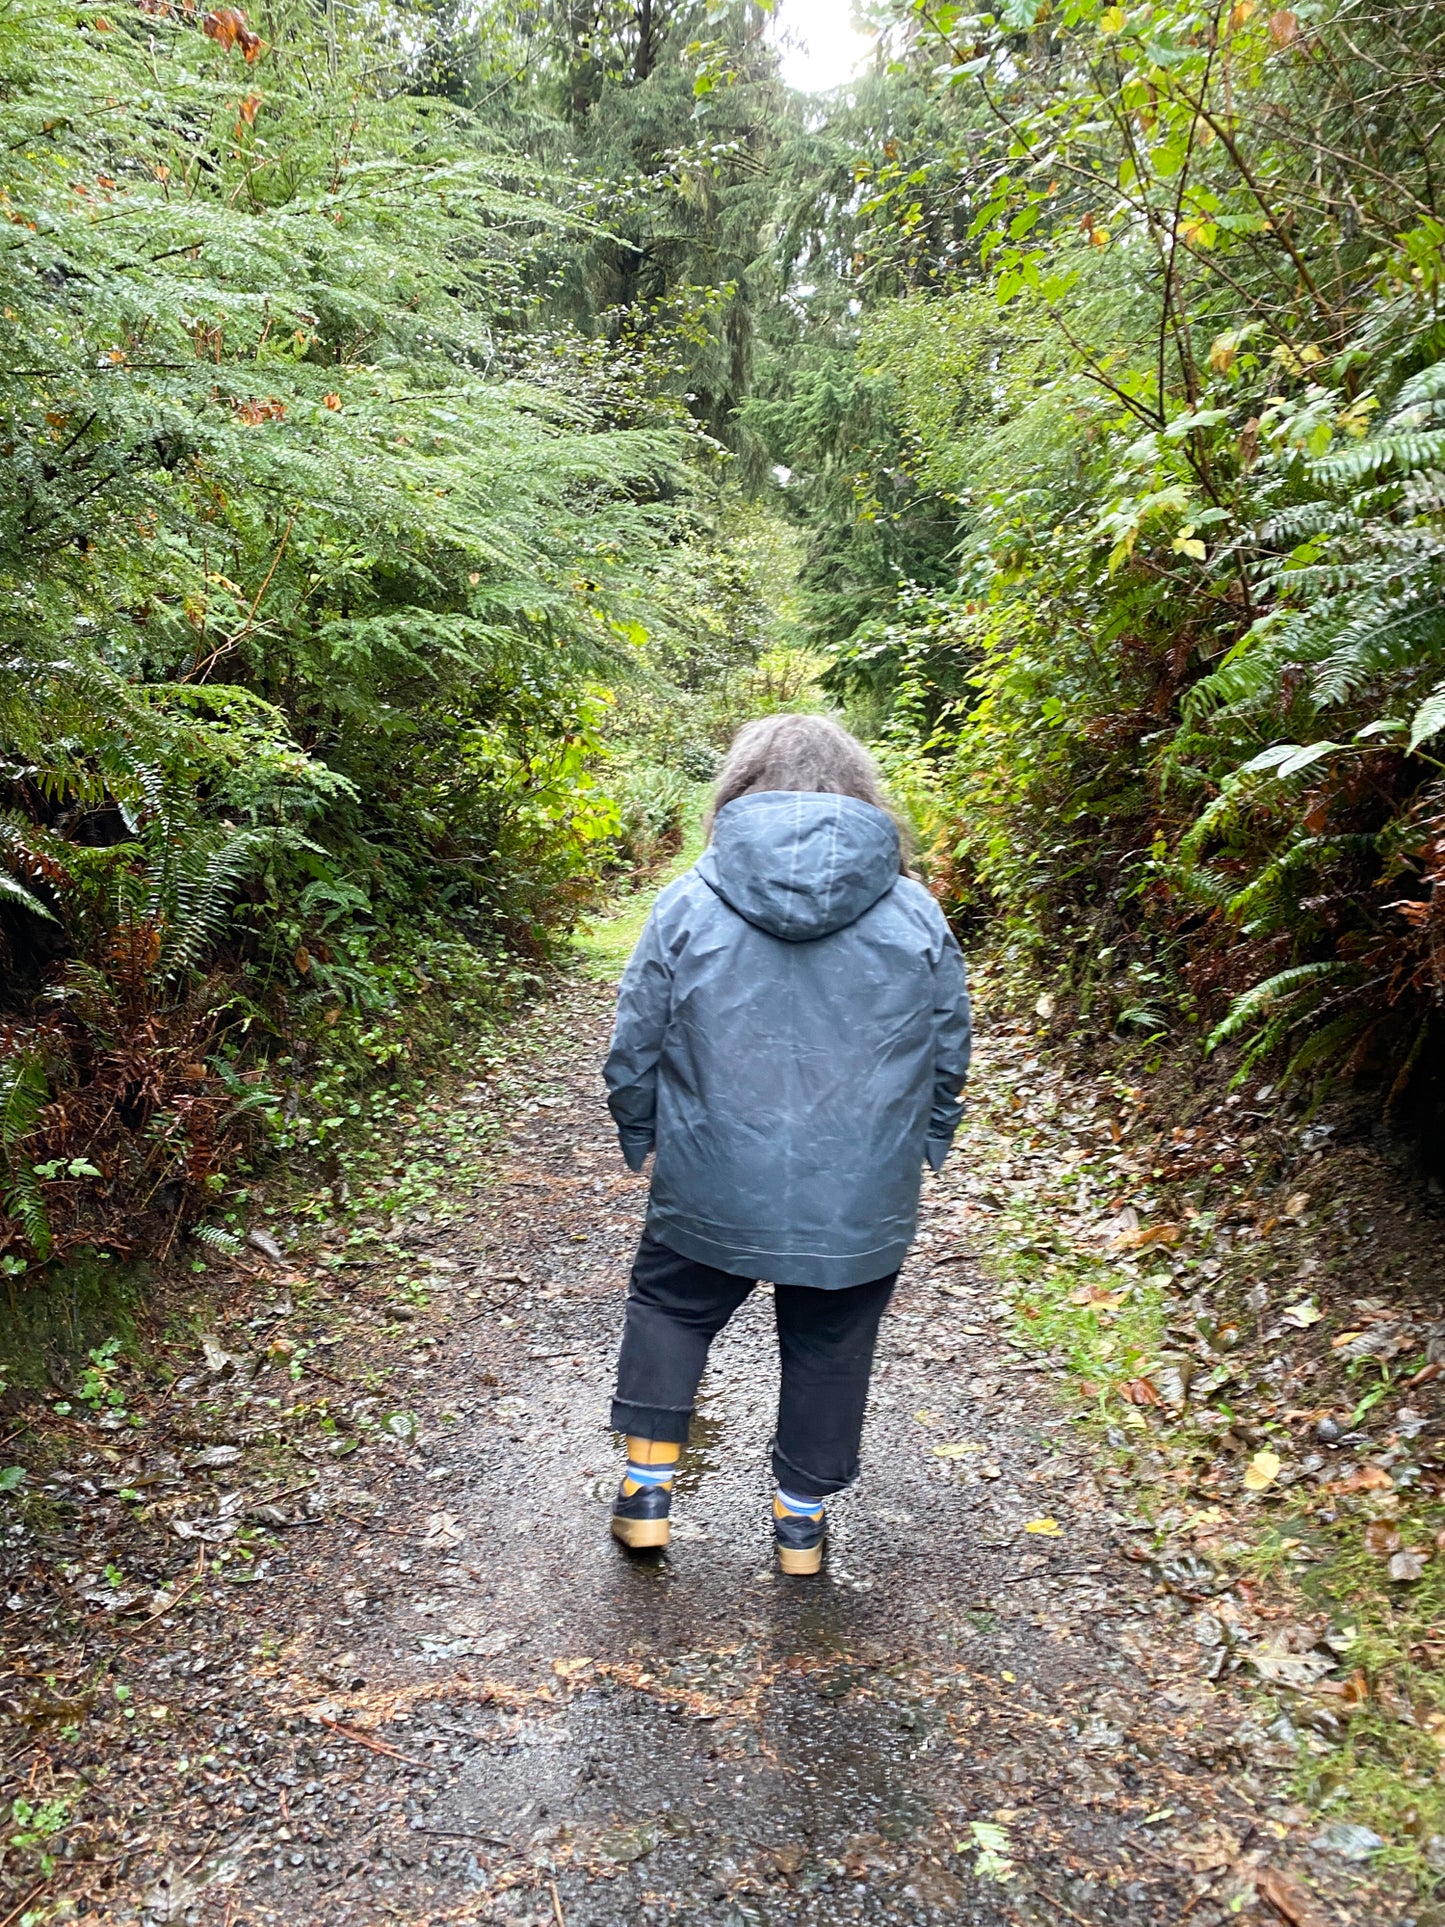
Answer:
(566, 1668)
(994, 1860)
(1288, 1898)
(1045, 1528)
(1098, 1297)
(1349, 1841)
(217, 1358)
(1369, 1478)
(625, 1844)
(1342, 1339)
(1297, 1206)
(787, 1859)
(960, 1451)
(1275, 1663)
(1303, 1315)
(1353, 1691)
(1140, 1391)
(443, 1530)
(1213, 1849)
(1262, 1471)
(1381, 1539)
(1153, 1234)
(172, 1895)
(1408, 1565)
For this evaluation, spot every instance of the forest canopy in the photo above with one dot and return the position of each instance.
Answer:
(422, 427)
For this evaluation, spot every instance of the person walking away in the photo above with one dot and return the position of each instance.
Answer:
(792, 1041)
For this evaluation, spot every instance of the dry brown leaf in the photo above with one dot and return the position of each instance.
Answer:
(1283, 27)
(1369, 1478)
(1148, 1234)
(1140, 1391)
(1353, 1691)
(1381, 1539)
(223, 26)
(1288, 1898)
(1098, 1297)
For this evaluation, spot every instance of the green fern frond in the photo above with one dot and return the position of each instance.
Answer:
(1299, 982)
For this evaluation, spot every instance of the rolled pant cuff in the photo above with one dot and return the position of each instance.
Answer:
(653, 1422)
(808, 1485)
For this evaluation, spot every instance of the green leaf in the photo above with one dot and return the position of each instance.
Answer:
(1429, 719)
(13, 892)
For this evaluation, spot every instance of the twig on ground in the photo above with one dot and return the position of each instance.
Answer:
(457, 1833)
(140, 1626)
(16, 1912)
(362, 1739)
(556, 1903)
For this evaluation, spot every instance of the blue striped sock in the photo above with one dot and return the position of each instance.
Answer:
(802, 1508)
(650, 1474)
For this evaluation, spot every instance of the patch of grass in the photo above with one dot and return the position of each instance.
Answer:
(1107, 1324)
(604, 944)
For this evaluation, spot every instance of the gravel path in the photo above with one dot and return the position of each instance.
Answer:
(962, 1718)
(450, 1697)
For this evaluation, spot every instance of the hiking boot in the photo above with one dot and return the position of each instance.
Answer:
(800, 1539)
(640, 1519)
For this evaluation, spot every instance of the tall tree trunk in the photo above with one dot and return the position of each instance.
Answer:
(643, 65)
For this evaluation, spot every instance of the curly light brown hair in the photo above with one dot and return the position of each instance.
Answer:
(791, 752)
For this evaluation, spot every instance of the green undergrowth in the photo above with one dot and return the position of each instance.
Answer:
(81, 1306)
(603, 944)
(1202, 1415)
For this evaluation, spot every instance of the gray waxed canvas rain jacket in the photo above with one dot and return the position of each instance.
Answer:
(792, 1037)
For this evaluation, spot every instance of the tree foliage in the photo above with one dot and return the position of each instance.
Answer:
(307, 550)
(1159, 320)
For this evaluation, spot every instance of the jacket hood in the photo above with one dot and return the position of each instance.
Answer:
(800, 864)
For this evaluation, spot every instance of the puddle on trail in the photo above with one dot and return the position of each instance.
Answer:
(703, 1452)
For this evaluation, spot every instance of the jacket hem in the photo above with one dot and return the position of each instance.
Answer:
(822, 1271)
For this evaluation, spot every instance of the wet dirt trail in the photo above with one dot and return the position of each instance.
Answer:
(394, 1667)
(495, 1713)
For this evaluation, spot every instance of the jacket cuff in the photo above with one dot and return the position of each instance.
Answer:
(936, 1149)
(635, 1147)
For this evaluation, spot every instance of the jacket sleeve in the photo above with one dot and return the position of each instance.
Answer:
(953, 1042)
(643, 1006)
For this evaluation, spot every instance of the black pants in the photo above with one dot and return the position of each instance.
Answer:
(676, 1307)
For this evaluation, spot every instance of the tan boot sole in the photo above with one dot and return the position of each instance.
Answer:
(801, 1565)
(640, 1534)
